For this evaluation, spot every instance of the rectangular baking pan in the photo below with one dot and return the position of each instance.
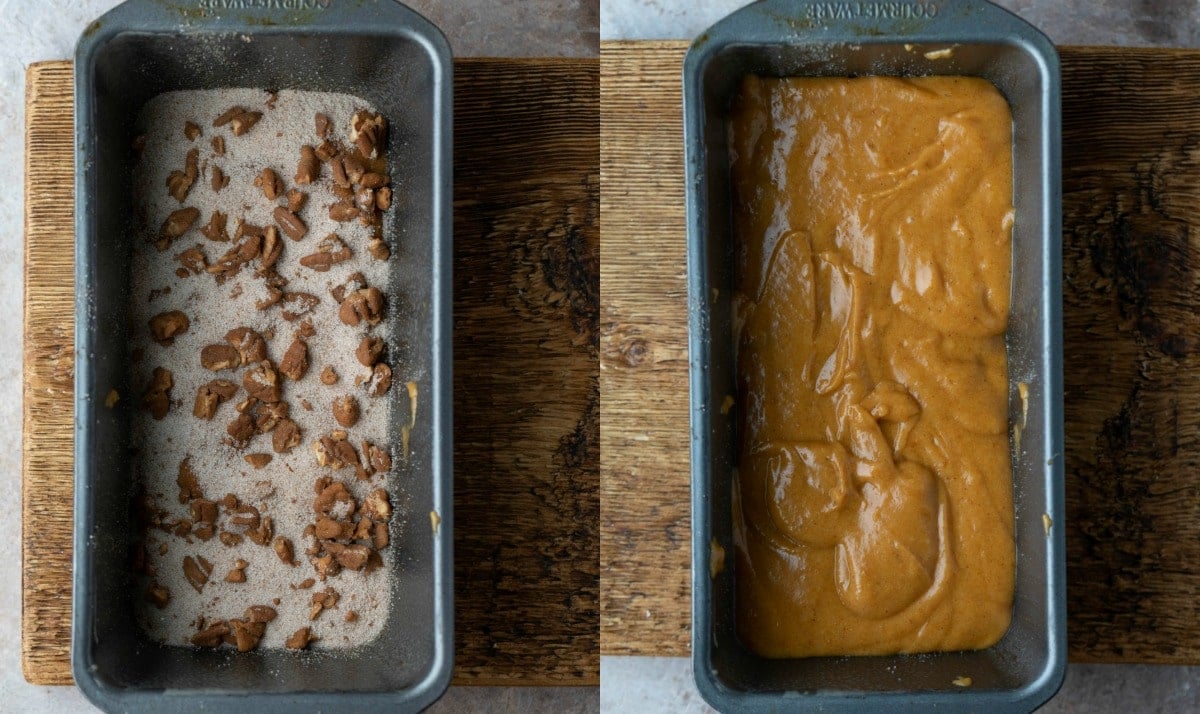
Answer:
(792, 38)
(392, 57)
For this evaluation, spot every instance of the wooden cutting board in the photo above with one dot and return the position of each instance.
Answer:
(1131, 203)
(526, 383)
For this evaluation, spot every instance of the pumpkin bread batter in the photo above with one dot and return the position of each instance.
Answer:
(873, 509)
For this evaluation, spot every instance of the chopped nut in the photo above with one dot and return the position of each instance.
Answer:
(272, 248)
(294, 364)
(239, 119)
(369, 351)
(364, 305)
(241, 429)
(157, 398)
(383, 198)
(250, 345)
(230, 539)
(189, 486)
(309, 168)
(350, 557)
(381, 380)
(327, 151)
(285, 436)
(323, 601)
(247, 635)
(283, 548)
(228, 115)
(235, 575)
(196, 573)
(378, 458)
(218, 145)
(324, 124)
(260, 613)
(193, 260)
(362, 529)
(378, 249)
(327, 528)
(215, 229)
(191, 130)
(300, 639)
(330, 251)
(210, 396)
(306, 584)
(219, 180)
(270, 183)
(158, 595)
(329, 375)
(262, 382)
(368, 130)
(166, 325)
(334, 452)
(354, 281)
(290, 223)
(345, 410)
(376, 505)
(245, 515)
(175, 226)
(296, 199)
(264, 533)
(343, 211)
(364, 199)
(179, 183)
(334, 501)
(218, 357)
(351, 616)
(203, 510)
(338, 168)
(258, 460)
(374, 180)
(211, 636)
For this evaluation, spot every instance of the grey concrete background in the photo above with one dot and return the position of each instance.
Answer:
(654, 684)
(33, 30)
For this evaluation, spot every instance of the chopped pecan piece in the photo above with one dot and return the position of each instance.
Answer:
(343, 211)
(350, 557)
(326, 566)
(230, 539)
(246, 635)
(157, 398)
(270, 183)
(330, 251)
(193, 260)
(250, 345)
(294, 364)
(323, 601)
(218, 145)
(241, 429)
(262, 382)
(260, 613)
(327, 528)
(327, 150)
(364, 305)
(381, 380)
(179, 183)
(364, 200)
(272, 248)
(376, 505)
(324, 124)
(334, 501)
(196, 573)
(264, 533)
(368, 130)
(309, 168)
(212, 635)
(283, 549)
(246, 515)
(378, 249)
(218, 357)
(362, 529)
(351, 616)
(210, 396)
(379, 536)
(345, 410)
(268, 416)
(329, 375)
(383, 198)
(239, 120)
(258, 460)
(158, 595)
(285, 436)
(378, 458)
(214, 230)
(189, 486)
(203, 510)
(369, 351)
(374, 180)
(290, 223)
(175, 226)
(191, 130)
(237, 574)
(300, 639)
(334, 452)
(296, 199)
(219, 180)
(338, 168)
(204, 531)
(166, 325)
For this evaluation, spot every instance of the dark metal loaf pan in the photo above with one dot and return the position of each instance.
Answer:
(793, 38)
(395, 59)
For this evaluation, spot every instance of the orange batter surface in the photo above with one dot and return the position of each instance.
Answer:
(873, 508)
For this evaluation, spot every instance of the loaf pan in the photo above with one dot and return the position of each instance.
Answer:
(395, 59)
(791, 38)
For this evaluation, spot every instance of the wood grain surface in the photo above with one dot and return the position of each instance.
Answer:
(1131, 154)
(526, 392)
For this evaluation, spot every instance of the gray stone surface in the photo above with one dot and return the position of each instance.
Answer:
(33, 30)
(665, 684)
